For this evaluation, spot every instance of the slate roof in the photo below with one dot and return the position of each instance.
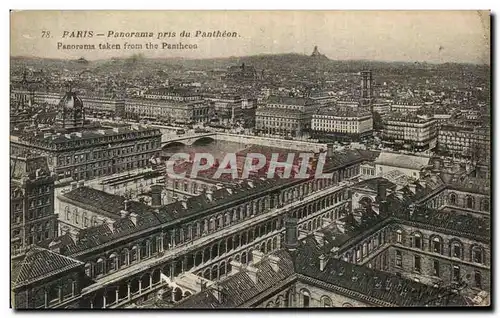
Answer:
(373, 184)
(402, 161)
(360, 282)
(476, 227)
(289, 100)
(198, 205)
(378, 285)
(107, 202)
(240, 288)
(37, 264)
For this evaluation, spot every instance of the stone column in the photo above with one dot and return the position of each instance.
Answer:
(128, 290)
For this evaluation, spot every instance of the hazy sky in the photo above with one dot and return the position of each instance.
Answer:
(433, 36)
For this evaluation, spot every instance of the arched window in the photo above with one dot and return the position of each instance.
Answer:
(347, 305)
(477, 254)
(456, 249)
(485, 205)
(470, 202)
(452, 198)
(99, 267)
(399, 236)
(68, 213)
(306, 297)
(417, 240)
(280, 301)
(436, 244)
(326, 301)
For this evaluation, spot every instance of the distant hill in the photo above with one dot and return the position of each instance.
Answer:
(286, 61)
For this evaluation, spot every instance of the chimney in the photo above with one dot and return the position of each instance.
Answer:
(156, 195)
(125, 211)
(291, 234)
(381, 192)
(340, 226)
(252, 273)
(322, 262)
(55, 246)
(320, 238)
(273, 261)
(209, 195)
(81, 183)
(133, 218)
(111, 225)
(235, 267)
(183, 201)
(329, 150)
(257, 256)
(74, 185)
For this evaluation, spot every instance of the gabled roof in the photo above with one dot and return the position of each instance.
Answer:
(39, 263)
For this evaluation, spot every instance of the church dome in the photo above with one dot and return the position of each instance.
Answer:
(71, 100)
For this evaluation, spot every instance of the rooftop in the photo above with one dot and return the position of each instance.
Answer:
(402, 160)
(37, 264)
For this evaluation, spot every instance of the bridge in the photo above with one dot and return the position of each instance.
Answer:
(188, 139)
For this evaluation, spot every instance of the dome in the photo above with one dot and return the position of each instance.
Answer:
(71, 100)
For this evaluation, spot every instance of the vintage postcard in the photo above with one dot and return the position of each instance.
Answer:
(250, 159)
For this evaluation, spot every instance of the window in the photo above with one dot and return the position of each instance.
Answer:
(485, 205)
(455, 273)
(417, 266)
(306, 297)
(453, 199)
(470, 202)
(399, 236)
(477, 254)
(326, 302)
(399, 259)
(417, 240)
(436, 268)
(436, 245)
(456, 250)
(477, 279)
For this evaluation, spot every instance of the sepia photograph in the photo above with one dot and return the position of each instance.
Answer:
(238, 159)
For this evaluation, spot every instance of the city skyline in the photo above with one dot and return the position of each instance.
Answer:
(394, 36)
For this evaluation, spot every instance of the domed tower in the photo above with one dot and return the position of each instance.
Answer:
(70, 112)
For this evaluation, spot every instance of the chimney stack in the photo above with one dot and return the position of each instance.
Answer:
(55, 246)
(320, 238)
(74, 185)
(133, 218)
(125, 211)
(329, 150)
(252, 273)
(111, 225)
(235, 267)
(209, 195)
(322, 262)
(273, 261)
(257, 256)
(381, 192)
(291, 234)
(156, 195)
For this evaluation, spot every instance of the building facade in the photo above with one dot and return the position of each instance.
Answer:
(32, 203)
(408, 132)
(345, 125)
